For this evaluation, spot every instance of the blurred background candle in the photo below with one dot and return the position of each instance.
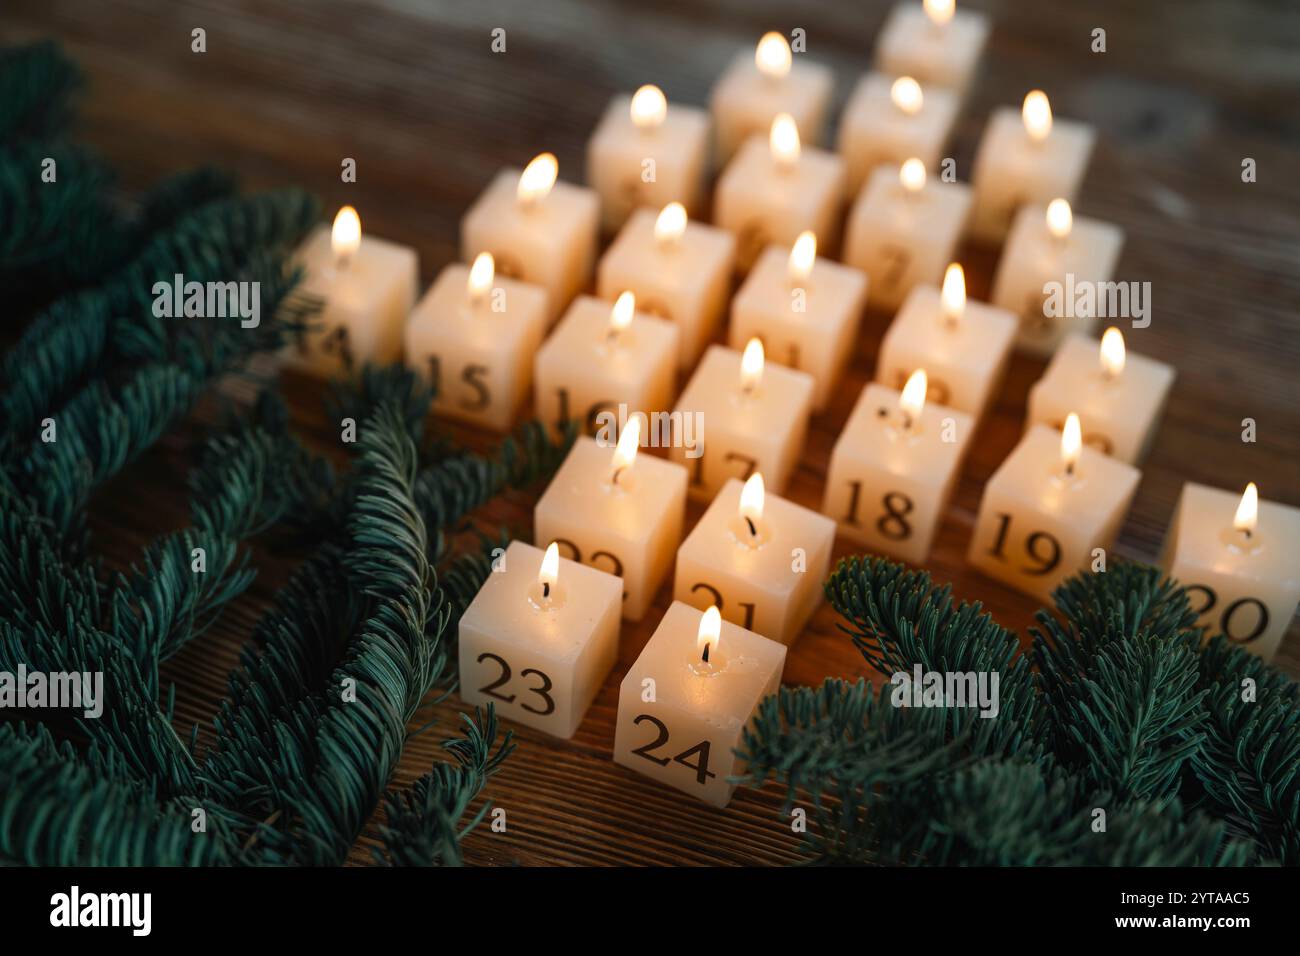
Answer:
(888, 121)
(934, 42)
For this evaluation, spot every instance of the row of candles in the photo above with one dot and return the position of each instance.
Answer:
(542, 635)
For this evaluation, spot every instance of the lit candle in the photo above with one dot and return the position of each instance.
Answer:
(686, 701)
(1239, 562)
(600, 357)
(619, 512)
(934, 42)
(537, 229)
(539, 638)
(756, 417)
(1118, 396)
(1052, 273)
(678, 270)
(963, 345)
(1047, 509)
(647, 153)
(1022, 159)
(473, 336)
(805, 309)
(888, 121)
(903, 230)
(774, 190)
(367, 286)
(759, 86)
(894, 468)
(741, 557)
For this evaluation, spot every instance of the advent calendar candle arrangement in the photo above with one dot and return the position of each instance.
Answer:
(367, 286)
(759, 559)
(1048, 508)
(473, 337)
(757, 88)
(1239, 561)
(684, 703)
(1026, 159)
(620, 511)
(647, 153)
(539, 638)
(805, 311)
(934, 42)
(886, 122)
(537, 229)
(894, 468)
(678, 270)
(1052, 266)
(1118, 396)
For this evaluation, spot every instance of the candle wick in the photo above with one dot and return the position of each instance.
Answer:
(617, 471)
(705, 655)
(546, 589)
(753, 531)
(1069, 469)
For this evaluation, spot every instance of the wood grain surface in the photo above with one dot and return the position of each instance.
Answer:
(410, 89)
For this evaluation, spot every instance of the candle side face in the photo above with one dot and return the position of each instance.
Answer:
(1118, 416)
(540, 668)
(631, 530)
(810, 324)
(629, 167)
(910, 45)
(744, 102)
(366, 304)
(1011, 171)
(964, 362)
(1036, 528)
(874, 132)
(761, 204)
(759, 587)
(888, 489)
(479, 360)
(687, 285)
(902, 241)
(1248, 592)
(680, 727)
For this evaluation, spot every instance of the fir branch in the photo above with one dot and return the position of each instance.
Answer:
(37, 83)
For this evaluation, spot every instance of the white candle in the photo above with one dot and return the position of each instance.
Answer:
(889, 120)
(934, 42)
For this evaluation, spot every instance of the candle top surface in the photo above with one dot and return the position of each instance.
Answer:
(1067, 146)
(447, 304)
(874, 99)
(584, 332)
(753, 167)
(1076, 370)
(783, 395)
(908, 25)
(685, 264)
(767, 288)
(375, 262)
(618, 126)
(805, 85)
(582, 489)
(875, 434)
(1204, 522)
(979, 337)
(566, 209)
(1091, 248)
(938, 207)
(1032, 474)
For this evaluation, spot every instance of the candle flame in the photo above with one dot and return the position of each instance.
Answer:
(549, 572)
(1248, 511)
(481, 274)
(751, 365)
(1036, 113)
(620, 317)
(1112, 352)
(911, 401)
(772, 56)
(670, 225)
(939, 11)
(1060, 219)
(907, 96)
(649, 107)
(710, 633)
(537, 179)
(345, 237)
(1071, 442)
(912, 175)
(953, 296)
(784, 141)
(802, 256)
(752, 499)
(625, 451)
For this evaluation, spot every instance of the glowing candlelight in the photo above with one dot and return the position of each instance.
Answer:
(625, 452)
(709, 634)
(784, 141)
(911, 401)
(1247, 512)
(939, 11)
(670, 226)
(1071, 443)
(751, 503)
(802, 256)
(537, 180)
(620, 316)
(649, 108)
(1060, 219)
(751, 366)
(481, 275)
(912, 175)
(1112, 353)
(906, 95)
(345, 237)
(1036, 113)
(772, 56)
(549, 572)
(952, 297)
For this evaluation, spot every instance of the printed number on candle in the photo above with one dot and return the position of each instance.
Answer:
(543, 692)
(701, 766)
(575, 554)
(336, 342)
(1230, 612)
(1043, 550)
(749, 463)
(893, 523)
(896, 261)
(471, 375)
(716, 595)
(604, 405)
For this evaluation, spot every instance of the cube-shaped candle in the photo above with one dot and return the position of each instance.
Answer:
(647, 153)
(774, 189)
(903, 231)
(600, 357)
(1053, 270)
(1047, 509)
(686, 700)
(933, 42)
(473, 337)
(759, 559)
(617, 511)
(962, 345)
(1025, 159)
(750, 418)
(1239, 562)
(888, 121)
(539, 638)
(894, 468)
(538, 230)
(758, 87)
(368, 287)
(1118, 397)
(805, 311)
(678, 270)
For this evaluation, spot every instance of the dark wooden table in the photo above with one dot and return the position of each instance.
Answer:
(413, 93)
